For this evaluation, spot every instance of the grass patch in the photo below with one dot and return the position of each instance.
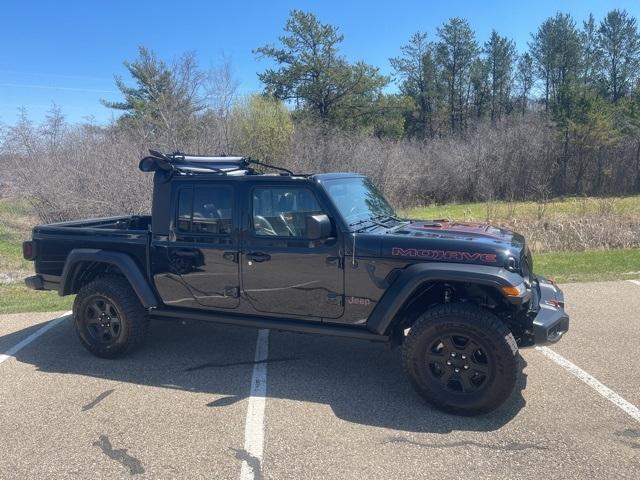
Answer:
(17, 298)
(16, 221)
(573, 206)
(588, 266)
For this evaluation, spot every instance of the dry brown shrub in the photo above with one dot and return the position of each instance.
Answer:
(577, 233)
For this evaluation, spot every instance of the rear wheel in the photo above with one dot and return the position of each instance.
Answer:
(108, 317)
(461, 358)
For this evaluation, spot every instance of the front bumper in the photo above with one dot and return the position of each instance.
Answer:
(551, 322)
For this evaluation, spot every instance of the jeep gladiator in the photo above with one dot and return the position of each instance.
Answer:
(321, 254)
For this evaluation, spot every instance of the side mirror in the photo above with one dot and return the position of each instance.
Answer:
(318, 227)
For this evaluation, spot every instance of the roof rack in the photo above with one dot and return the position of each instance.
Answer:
(184, 164)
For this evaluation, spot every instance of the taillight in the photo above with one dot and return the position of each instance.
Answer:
(27, 250)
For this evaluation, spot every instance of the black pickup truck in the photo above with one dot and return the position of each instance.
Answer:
(319, 254)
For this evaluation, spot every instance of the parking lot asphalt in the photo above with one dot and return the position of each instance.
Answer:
(335, 408)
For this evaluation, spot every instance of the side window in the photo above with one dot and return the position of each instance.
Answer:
(283, 212)
(185, 202)
(206, 209)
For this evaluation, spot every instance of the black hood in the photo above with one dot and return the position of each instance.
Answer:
(445, 241)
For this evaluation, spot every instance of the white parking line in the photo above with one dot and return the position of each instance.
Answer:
(635, 282)
(254, 424)
(20, 345)
(602, 389)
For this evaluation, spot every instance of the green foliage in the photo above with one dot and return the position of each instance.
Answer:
(164, 97)
(311, 72)
(501, 55)
(417, 70)
(153, 81)
(591, 53)
(619, 43)
(388, 115)
(481, 86)
(591, 122)
(525, 78)
(158, 88)
(262, 128)
(555, 48)
(456, 50)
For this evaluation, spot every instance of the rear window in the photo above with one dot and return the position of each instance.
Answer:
(206, 209)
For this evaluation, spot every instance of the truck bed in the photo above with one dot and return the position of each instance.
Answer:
(53, 242)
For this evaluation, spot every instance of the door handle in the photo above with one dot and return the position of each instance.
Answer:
(187, 253)
(258, 257)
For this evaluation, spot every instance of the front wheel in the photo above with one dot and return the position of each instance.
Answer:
(461, 359)
(108, 317)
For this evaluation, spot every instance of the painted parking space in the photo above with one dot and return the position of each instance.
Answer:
(15, 327)
(175, 409)
(344, 410)
(605, 334)
(203, 401)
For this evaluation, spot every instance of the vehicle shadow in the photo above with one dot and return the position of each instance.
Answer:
(362, 382)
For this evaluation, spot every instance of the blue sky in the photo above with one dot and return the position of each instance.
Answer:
(68, 51)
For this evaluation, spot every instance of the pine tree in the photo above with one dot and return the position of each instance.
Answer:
(456, 50)
(620, 44)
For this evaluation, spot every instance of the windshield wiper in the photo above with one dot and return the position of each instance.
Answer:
(359, 222)
(387, 217)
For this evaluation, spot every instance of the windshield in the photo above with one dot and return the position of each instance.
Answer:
(357, 199)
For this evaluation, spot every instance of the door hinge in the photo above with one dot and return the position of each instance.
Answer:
(335, 299)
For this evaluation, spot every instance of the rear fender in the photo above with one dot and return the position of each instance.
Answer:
(82, 256)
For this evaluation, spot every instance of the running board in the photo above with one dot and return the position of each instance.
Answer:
(299, 326)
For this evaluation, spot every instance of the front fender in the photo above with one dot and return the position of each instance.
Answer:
(124, 262)
(414, 276)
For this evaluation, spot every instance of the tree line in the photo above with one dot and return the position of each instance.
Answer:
(469, 120)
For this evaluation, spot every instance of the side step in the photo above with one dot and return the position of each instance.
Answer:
(300, 326)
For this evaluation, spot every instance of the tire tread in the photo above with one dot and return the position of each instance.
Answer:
(119, 290)
(484, 321)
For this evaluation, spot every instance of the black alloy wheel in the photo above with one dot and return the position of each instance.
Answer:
(102, 320)
(458, 362)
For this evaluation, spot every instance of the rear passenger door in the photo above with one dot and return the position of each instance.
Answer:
(203, 248)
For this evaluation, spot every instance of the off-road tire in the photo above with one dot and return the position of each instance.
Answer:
(131, 315)
(486, 330)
